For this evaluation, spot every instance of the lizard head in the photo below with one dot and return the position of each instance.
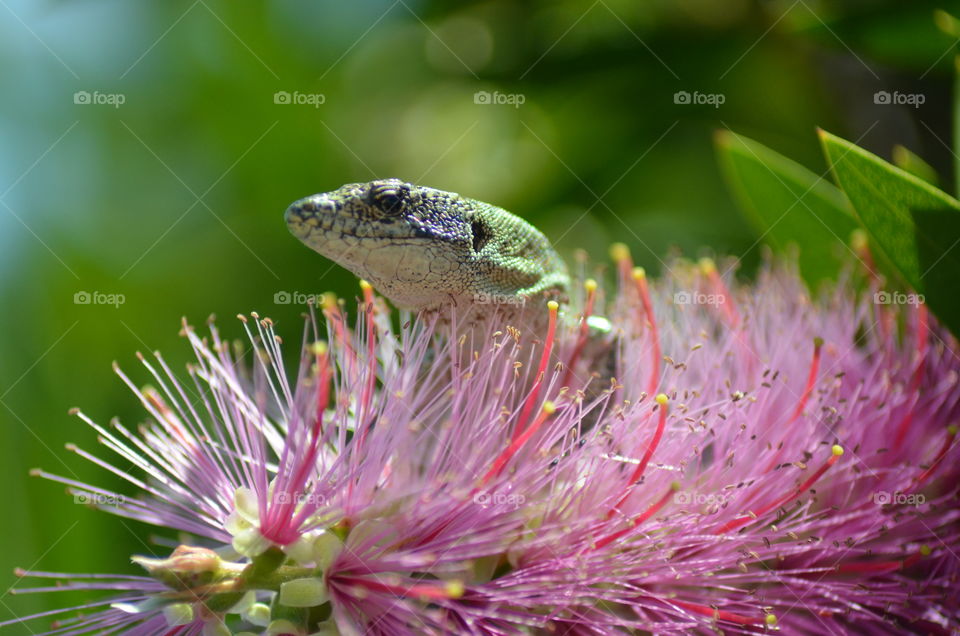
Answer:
(422, 248)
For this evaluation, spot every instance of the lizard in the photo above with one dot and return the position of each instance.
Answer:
(427, 249)
(424, 248)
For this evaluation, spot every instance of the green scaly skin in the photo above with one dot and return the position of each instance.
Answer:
(424, 248)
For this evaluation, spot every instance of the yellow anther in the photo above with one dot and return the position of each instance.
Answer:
(619, 252)
(328, 300)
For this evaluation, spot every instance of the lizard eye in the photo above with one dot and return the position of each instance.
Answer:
(480, 235)
(389, 199)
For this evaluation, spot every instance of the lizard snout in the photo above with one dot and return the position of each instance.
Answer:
(305, 213)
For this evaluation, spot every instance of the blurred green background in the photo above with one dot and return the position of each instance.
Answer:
(173, 198)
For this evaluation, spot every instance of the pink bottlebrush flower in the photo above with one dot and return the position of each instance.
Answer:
(761, 461)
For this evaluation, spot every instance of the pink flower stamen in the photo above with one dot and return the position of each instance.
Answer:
(552, 307)
(639, 519)
(546, 411)
(836, 453)
(590, 286)
(922, 342)
(804, 397)
(662, 402)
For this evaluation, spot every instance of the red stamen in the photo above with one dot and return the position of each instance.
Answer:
(590, 286)
(651, 447)
(324, 375)
(620, 254)
(811, 380)
(922, 343)
(552, 306)
(947, 443)
(861, 247)
(836, 452)
(280, 525)
(802, 403)
(331, 310)
(729, 312)
(640, 278)
(636, 521)
(883, 566)
(500, 462)
(722, 615)
(367, 396)
(511, 450)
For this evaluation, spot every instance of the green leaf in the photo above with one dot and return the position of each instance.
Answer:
(916, 225)
(906, 160)
(938, 238)
(788, 204)
(956, 123)
(946, 23)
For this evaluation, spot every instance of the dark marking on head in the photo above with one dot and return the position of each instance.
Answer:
(481, 235)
